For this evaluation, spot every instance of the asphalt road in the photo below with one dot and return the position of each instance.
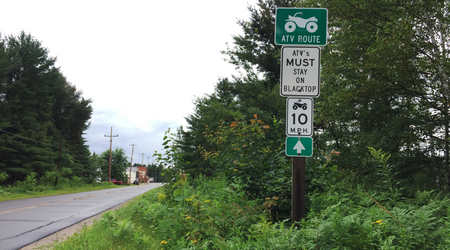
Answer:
(23, 222)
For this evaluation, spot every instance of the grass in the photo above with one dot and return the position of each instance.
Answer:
(210, 212)
(117, 229)
(6, 196)
(213, 214)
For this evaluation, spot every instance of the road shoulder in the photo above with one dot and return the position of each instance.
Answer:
(49, 241)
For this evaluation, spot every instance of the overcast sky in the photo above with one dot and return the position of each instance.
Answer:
(142, 63)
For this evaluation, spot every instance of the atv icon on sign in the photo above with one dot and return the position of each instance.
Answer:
(310, 24)
(300, 105)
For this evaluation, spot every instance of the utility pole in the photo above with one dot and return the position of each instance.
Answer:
(153, 170)
(110, 147)
(140, 177)
(131, 163)
(148, 164)
(59, 158)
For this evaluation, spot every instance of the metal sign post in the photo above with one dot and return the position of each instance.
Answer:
(298, 188)
(301, 30)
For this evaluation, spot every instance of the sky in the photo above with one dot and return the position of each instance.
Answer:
(142, 63)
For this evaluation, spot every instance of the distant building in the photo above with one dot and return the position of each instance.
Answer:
(134, 174)
(139, 173)
(143, 178)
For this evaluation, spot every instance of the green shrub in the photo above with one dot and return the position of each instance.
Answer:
(106, 183)
(215, 213)
(3, 176)
(49, 178)
(214, 210)
(77, 182)
(28, 185)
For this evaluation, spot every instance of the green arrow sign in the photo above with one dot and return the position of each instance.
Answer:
(297, 26)
(299, 146)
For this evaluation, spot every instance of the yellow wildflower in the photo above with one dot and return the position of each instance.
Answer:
(162, 197)
(378, 222)
(163, 242)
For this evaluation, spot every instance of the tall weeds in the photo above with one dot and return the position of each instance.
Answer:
(217, 214)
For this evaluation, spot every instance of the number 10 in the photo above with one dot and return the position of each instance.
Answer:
(299, 118)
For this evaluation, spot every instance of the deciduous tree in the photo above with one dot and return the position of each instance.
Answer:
(119, 164)
(384, 83)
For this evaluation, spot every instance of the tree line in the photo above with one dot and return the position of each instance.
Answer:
(384, 85)
(39, 109)
(120, 166)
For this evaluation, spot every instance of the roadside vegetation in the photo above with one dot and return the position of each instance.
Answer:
(379, 177)
(213, 213)
(32, 187)
(124, 228)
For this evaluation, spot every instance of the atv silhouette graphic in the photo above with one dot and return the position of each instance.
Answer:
(300, 105)
(310, 24)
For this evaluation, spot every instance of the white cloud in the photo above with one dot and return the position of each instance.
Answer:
(141, 62)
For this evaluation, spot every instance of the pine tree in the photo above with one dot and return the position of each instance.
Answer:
(37, 105)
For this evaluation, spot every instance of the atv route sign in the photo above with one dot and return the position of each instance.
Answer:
(301, 26)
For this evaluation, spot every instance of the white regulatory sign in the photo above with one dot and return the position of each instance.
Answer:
(300, 71)
(299, 116)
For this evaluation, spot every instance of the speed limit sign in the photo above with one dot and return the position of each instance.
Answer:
(299, 116)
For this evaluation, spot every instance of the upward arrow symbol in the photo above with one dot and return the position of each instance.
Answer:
(299, 147)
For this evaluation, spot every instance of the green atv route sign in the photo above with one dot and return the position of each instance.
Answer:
(301, 26)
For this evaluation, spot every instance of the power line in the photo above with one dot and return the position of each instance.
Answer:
(43, 143)
(27, 138)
